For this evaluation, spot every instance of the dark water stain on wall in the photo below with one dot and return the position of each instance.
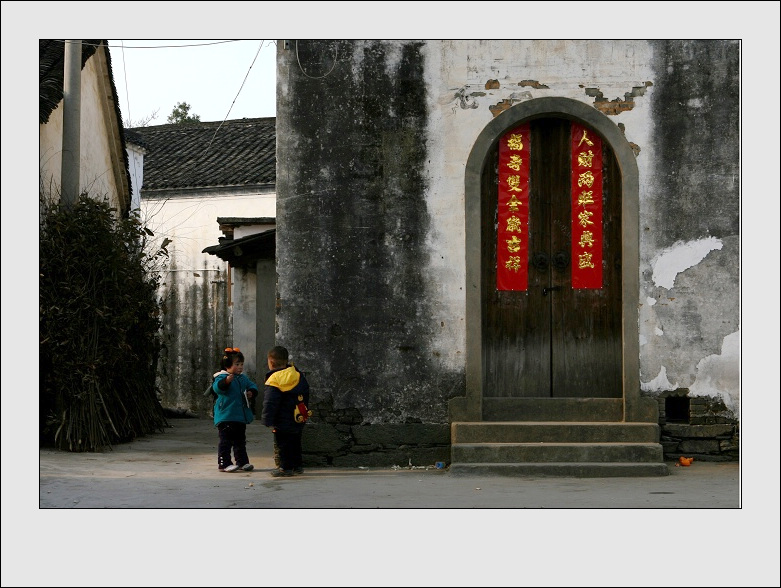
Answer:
(696, 115)
(196, 326)
(352, 223)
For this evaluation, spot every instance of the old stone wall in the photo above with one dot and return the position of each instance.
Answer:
(690, 224)
(698, 427)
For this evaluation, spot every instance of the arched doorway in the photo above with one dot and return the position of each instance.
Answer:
(482, 313)
(544, 335)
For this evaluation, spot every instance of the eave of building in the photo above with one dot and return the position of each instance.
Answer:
(196, 191)
(247, 250)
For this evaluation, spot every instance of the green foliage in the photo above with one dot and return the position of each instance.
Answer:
(99, 327)
(181, 115)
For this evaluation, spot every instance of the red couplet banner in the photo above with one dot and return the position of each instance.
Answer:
(512, 235)
(586, 208)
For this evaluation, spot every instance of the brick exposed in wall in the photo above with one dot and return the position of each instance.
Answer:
(618, 105)
(533, 84)
(711, 433)
(500, 107)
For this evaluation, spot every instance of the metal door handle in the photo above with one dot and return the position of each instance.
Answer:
(561, 260)
(540, 261)
(550, 289)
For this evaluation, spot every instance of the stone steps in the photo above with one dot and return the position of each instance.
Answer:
(553, 431)
(557, 448)
(569, 469)
(556, 452)
(553, 409)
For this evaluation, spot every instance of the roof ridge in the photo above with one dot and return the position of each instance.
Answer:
(207, 124)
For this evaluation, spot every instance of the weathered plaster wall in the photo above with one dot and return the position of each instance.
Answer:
(244, 309)
(354, 307)
(690, 223)
(96, 173)
(373, 138)
(198, 322)
(470, 82)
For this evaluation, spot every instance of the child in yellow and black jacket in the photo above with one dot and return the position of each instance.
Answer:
(286, 389)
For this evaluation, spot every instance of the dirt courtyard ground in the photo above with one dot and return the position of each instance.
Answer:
(158, 510)
(177, 469)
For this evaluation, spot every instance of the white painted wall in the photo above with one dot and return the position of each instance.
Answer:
(96, 175)
(190, 222)
(247, 230)
(135, 155)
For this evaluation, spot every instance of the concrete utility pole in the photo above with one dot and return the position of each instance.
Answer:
(71, 123)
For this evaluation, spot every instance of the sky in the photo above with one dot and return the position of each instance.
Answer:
(219, 79)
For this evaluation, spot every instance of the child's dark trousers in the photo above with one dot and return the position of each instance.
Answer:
(233, 435)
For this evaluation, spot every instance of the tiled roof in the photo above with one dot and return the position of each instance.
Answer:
(51, 72)
(232, 153)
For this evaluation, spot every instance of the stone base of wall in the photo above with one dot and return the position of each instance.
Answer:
(708, 433)
(382, 445)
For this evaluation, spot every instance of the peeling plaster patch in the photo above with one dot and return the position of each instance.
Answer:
(680, 257)
(492, 85)
(650, 301)
(719, 375)
(465, 101)
(659, 384)
(500, 107)
(643, 340)
(618, 105)
(635, 147)
(519, 96)
(657, 330)
(533, 84)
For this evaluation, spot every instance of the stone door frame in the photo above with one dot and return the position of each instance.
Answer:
(469, 407)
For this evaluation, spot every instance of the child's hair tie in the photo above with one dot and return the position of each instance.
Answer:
(232, 350)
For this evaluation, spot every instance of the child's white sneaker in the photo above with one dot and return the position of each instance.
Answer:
(231, 468)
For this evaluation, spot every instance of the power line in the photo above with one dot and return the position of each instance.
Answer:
(206, 151)
(183, 237)
(176, 46)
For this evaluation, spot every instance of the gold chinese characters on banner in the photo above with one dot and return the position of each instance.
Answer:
(586, 208)
(512, 235)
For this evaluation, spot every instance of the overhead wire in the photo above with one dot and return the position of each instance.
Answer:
(127, 99)
(234, 100)
(123, 46)
(177, 46)
(301, 67)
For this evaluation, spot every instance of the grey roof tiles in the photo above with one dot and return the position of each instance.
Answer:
(231, 153)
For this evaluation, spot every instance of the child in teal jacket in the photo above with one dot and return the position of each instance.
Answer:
(232, 412)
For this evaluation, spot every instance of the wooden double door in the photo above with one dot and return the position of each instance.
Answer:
(552, 340)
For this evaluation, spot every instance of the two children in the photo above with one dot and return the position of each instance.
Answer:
(232, 411)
